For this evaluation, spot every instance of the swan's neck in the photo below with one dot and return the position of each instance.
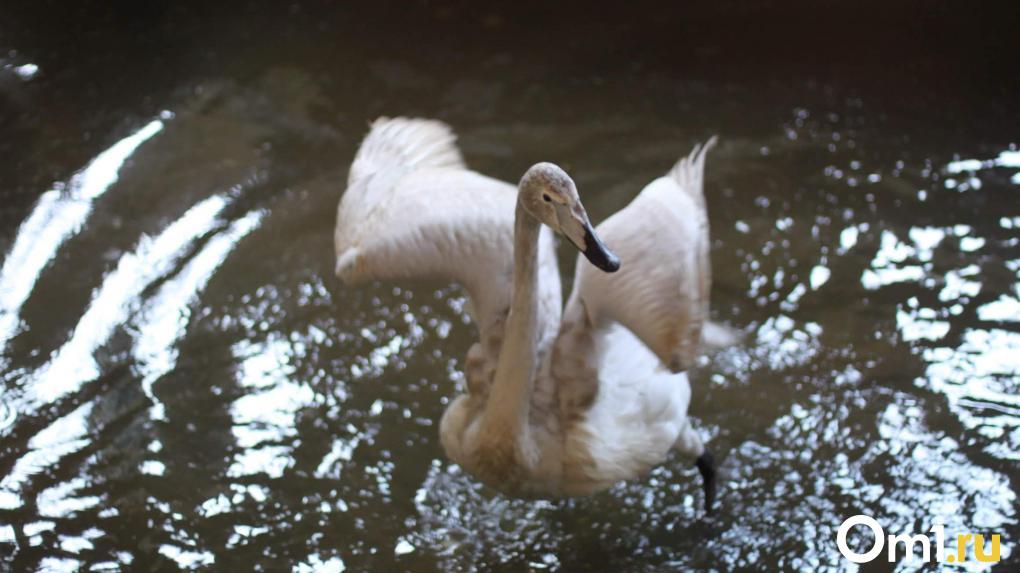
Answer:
(509, 400)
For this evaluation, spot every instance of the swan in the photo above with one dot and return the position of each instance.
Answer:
(559, 401)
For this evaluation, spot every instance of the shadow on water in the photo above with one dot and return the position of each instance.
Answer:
(184, 384)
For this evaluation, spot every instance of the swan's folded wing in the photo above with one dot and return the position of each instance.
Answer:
(660, 292)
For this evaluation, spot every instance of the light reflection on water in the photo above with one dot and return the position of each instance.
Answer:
(219, 399)
(965, 334)
(73, 363)
(164, 318)
(264, 416)
(59, 214)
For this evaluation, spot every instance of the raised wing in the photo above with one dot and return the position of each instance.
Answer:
(412, 210)
(661, 291)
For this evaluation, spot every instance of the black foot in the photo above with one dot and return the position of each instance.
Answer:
(706, 466)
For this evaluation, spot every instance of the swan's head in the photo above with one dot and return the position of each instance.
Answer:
(549, 195)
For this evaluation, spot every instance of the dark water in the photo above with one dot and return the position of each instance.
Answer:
(186, 386)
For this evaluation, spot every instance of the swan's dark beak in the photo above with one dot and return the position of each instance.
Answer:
(597, 253)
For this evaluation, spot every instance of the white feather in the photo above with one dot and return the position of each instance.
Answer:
(412, 210)
(605, 399)
(661, 290)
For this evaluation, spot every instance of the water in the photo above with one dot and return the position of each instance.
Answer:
(185, 385)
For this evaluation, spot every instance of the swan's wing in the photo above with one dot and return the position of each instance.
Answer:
(405, 143)
(660, 292)
(413, 211)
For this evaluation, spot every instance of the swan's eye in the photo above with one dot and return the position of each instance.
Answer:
(546, 198)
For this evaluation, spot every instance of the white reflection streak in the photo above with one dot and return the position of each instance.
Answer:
(917, 324)
(848, 238)
(59, 214)
(887, 267)
(26, 71)
(61, 500)
(70, 433)
(819, 276)
(74, 362)
(187, 558)
(165, 316)
(315, 564)
(66, 435)
(1005, 309)
(268, 412)
(1008, 158)
(971, 377)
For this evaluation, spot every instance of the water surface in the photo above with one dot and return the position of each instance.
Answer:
(186, 386)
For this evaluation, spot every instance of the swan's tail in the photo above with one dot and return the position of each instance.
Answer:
(403, 142)
(689, 171)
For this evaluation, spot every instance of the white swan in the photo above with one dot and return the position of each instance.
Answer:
(551, 408)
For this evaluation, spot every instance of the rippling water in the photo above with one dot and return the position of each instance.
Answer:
(185, 385)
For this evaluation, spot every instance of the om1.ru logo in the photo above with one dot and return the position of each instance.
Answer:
(909, 541)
